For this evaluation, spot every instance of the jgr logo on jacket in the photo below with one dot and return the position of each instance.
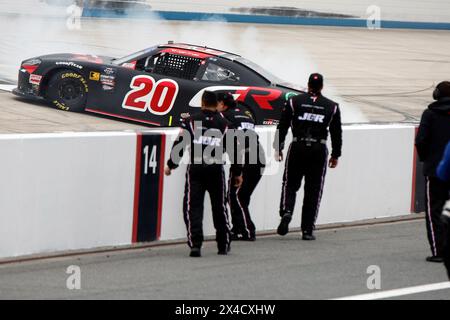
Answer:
(208, 141)
(312, 117)
(246, 126)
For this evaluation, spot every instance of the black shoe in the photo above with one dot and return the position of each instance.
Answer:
(436, 259)
(308, 237)
(195, 253)
(224, 252)
(283, 228)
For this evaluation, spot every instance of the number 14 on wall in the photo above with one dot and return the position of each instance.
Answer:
(150, 159)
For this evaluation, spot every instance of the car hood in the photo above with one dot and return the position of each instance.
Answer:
(74, 57)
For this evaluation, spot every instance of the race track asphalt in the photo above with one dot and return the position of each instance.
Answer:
(273, 267)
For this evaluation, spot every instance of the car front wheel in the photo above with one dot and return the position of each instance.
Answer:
(67, 90)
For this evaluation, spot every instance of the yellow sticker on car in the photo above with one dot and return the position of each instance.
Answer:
(94, 76)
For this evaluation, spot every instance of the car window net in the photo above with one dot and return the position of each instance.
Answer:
(177, 66)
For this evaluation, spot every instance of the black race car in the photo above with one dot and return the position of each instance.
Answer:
(155, 86)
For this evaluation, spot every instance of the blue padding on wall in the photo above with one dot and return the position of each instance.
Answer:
(261, 19)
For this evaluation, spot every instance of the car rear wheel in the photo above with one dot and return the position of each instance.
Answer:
(67, 90)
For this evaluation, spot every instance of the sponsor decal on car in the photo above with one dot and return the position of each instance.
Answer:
(108, 80)
(130, 65)
(94, 76)
(109, 71)
(35, 79)
(107, 88)
(263, 97)
(271, 122)
(289, 95)
(69, 64)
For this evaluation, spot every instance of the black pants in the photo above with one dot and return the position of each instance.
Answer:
(446, 221)
(240, 200)
(199, 179)
(436, 194)
(309, 162)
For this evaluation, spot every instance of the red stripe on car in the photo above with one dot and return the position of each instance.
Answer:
(187, 53)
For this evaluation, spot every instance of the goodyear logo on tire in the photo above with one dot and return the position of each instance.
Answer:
(60, 105)
(76, 76)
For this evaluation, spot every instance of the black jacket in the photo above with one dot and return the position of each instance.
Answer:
(433, 135)
(310, 116)
(205, 133)
(242, 119)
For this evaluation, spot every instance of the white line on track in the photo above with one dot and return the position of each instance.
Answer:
(399, 292)
(7, 87)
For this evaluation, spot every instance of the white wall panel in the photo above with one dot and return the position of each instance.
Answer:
(65, 191)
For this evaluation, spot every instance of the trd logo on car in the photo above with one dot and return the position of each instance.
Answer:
(270, 122)
(146, 94)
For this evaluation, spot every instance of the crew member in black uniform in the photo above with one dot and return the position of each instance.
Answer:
(310, 116)
(253, 167)
(443, 173)
(205, 133)
(431, 140)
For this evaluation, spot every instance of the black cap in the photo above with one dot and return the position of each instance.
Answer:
(315, 82)
(227, 99)
(442, 90)
(209, 99)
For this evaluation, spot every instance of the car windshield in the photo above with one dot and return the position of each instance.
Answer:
(132, 56)
(260, 70)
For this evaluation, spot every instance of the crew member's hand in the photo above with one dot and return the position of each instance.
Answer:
(238, 181)
(333, 163)
(279, 156)
(167, 171)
